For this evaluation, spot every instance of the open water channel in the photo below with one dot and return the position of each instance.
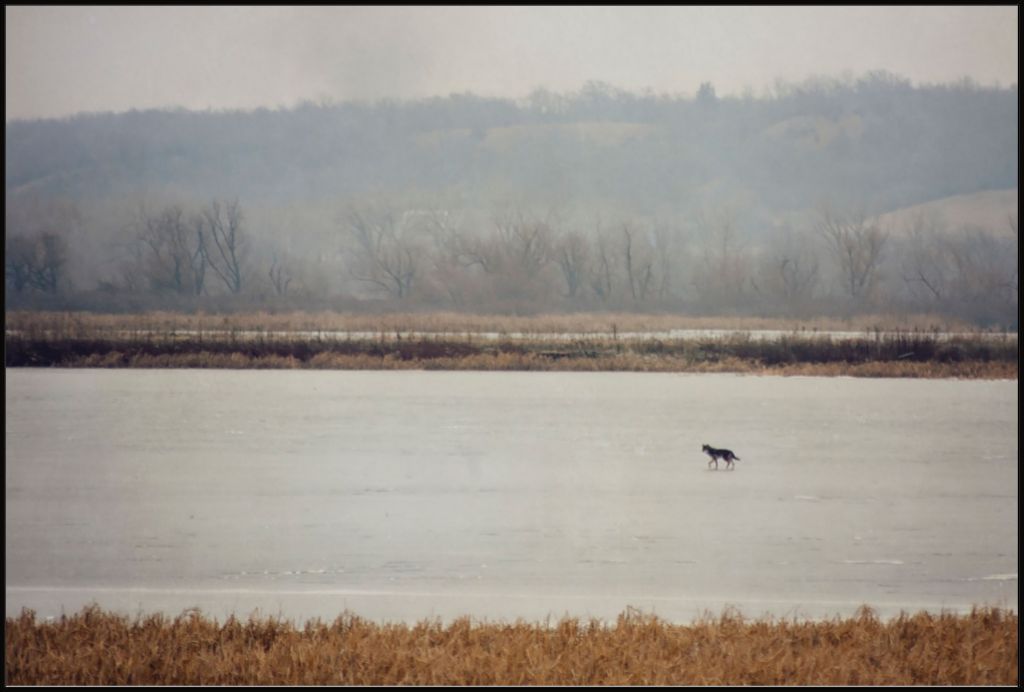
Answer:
(400, 496)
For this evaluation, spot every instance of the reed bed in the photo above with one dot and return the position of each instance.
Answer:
(79, 323)
(95, 647)
(45, 343)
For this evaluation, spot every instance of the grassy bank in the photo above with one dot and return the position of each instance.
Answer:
(98, 648)
(80, 323)
(436, 342)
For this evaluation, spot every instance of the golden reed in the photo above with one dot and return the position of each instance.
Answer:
(72, 323)
(389, 342)
(98, 648)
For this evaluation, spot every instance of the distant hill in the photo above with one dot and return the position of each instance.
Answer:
(877, 141)
(595, 199)
(990, 209)
(817, 131)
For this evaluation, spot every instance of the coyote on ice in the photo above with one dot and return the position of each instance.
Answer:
(716, 454)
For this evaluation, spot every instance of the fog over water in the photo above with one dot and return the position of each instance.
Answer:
(400, 496)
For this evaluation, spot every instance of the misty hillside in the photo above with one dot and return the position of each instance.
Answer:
(878, 139)
(749, 167)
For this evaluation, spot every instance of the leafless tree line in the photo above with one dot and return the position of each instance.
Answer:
(519, 257)
(36, 253)
(35, 262)
(844, 261)
(969, 271)
(175, 251)
(520, 260)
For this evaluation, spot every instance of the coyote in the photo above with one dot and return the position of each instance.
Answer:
(716, 454)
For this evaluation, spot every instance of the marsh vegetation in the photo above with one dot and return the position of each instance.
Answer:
(94, 647)
(447, 342)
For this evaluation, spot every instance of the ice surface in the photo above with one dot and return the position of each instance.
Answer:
(404, 495)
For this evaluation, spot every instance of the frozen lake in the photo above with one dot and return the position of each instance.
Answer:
(406, 495)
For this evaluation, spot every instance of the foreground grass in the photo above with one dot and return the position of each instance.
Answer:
(98, 648)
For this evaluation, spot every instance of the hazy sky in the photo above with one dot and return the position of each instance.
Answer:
(62, 60)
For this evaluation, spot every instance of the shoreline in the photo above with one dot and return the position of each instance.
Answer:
(975, 370)
(868, 347)
(897, 356)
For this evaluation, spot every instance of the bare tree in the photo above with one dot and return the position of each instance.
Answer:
(856, 245)
(224, 242)
(986, 270)
(927, 268)
(525, 242)
(384, 249)
(446, 231)
(722, 276)
(798, 274)
(638, 262)
(667, 245)
(449, 257)
(174, 252)
(971, 272)
(279, 273)
(19, 262)
(52, 256)
(572, 255)
(37, 233)
(788, 274)
(460, 249)
(35, 262)
(602, 274)
(506, 264)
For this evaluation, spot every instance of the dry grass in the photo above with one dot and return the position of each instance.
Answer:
(533, 362)
(457, 323)
(98, 648)
(434, 342)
